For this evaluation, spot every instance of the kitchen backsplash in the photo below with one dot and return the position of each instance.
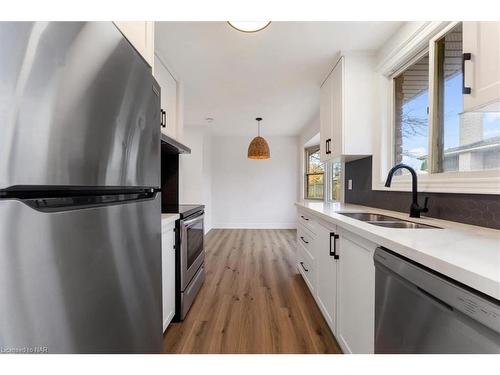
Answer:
(475, 209)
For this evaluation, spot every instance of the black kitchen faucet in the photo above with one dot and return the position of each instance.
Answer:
(415, 209)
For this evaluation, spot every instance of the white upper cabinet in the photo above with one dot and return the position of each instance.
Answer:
(169, 98)
(326, 120)
(347, 107)
(482, 71)
(141, 35)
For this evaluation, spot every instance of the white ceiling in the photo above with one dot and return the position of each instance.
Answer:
(234, 77)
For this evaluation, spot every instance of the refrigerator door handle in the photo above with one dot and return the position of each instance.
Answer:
(82, 200)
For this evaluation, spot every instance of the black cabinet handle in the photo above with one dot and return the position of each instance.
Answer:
(305, 218)
(334, 252)
(304, 268)
(163, 121)
(302, 238)
(465, 57)
(328, 151)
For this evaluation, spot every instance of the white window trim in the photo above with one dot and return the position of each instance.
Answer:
(328, 175)
(304, 176)
(415, 46)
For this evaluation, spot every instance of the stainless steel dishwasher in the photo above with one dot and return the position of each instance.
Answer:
(420, 311)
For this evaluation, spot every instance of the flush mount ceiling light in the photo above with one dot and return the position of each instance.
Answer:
(249, 26)
(258, 148)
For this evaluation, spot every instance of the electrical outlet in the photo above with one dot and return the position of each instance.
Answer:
(349, 184)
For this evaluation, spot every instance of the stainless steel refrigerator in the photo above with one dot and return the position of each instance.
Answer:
(80, 241)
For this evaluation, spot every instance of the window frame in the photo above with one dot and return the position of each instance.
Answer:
(329, 178)
(398, 72)
(417, 45)
(307, 152)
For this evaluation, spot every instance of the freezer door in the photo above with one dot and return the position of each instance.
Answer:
(77, 107)
(81, 281)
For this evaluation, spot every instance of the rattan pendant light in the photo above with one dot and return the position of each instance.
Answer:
(258, 148)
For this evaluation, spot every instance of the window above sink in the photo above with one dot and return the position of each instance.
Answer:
(427, 120)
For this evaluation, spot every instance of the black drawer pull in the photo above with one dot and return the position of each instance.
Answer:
(305, 218)
(302, 238)
(304, 268)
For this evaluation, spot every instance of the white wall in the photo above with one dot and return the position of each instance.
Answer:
(194, 172)
(253, 193)
(206, 181)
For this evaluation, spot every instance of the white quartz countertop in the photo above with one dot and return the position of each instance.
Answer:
(465, 253)
(168, 218)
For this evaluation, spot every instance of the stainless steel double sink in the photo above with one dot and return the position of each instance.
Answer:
(386, 221)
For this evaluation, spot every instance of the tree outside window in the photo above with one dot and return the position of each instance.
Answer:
(314, 174)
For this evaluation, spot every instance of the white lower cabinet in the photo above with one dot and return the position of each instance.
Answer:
(306, 253)
(306, 264)
(355, 294)
(338, 268)
(326, 274)
(168, 271)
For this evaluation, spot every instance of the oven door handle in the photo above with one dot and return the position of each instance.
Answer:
(187, 223)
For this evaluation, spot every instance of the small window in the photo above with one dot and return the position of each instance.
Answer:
(335, 180)
(464, 141)
(411, 101)
(314, 176)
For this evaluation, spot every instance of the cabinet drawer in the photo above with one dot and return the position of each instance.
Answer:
(305, 264)
(306, 221)
(305, 238)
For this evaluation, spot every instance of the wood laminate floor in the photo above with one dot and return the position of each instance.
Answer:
(253, 300)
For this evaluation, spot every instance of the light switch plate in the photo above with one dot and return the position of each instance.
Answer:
(349, 184)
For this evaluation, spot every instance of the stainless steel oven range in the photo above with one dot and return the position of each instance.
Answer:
(190, 256)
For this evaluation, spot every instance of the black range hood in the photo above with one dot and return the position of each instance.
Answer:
(171, 146)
